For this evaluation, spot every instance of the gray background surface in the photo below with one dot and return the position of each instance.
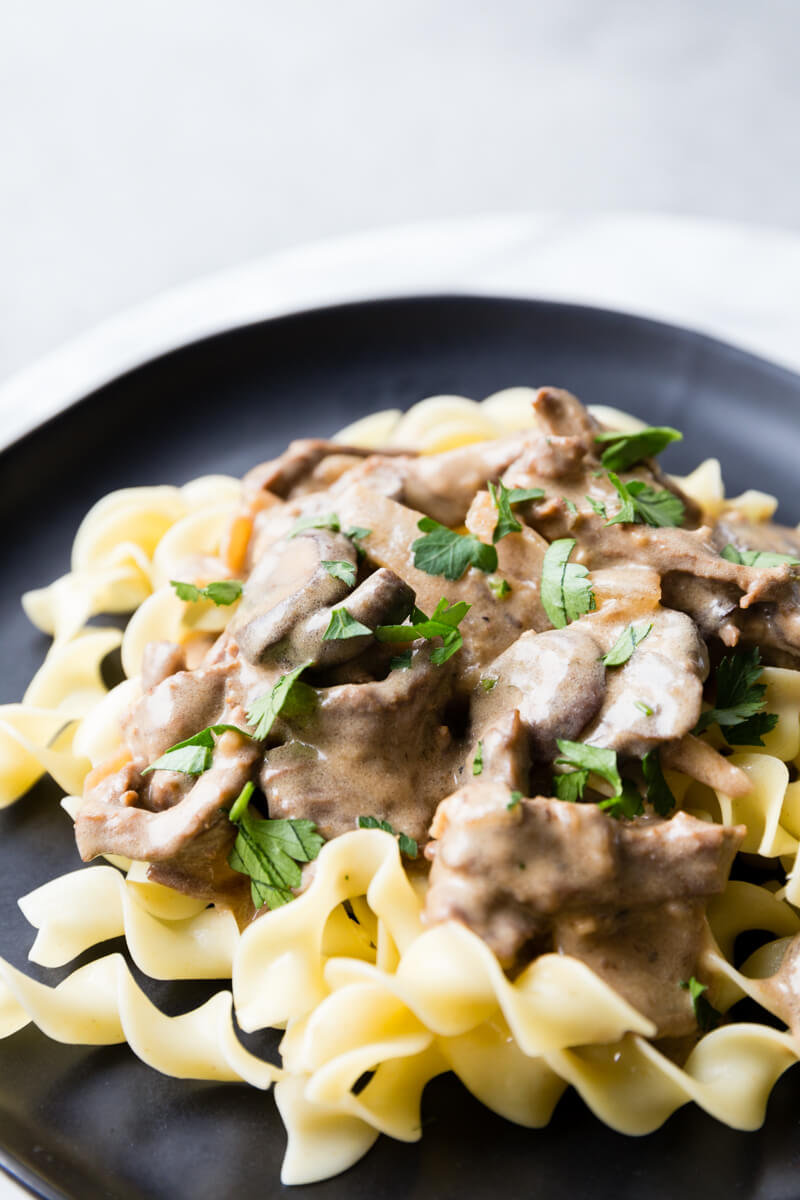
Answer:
(142, 144)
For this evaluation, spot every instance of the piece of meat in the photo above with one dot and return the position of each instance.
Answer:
(620, 895)
(735, 530)
(107, 828)
(702, 762)
(505, 753)
(159, 661)
(285, 473)
(379, 748)
(200, 868)
(554, 680)
(488, 627)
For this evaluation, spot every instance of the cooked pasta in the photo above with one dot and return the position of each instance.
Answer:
(555, 708)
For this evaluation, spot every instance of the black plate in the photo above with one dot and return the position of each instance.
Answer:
(83, 1122)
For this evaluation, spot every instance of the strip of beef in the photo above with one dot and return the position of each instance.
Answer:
(380, 748)
(289, 474)
(488, 627)
(627, 898)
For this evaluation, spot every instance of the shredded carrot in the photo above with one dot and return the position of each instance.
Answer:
(235, 542)
(107, 767)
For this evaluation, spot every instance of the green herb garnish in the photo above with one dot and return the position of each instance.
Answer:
(444, 624)
(269, 852)
(659, 793)
(624, 450)
(740, 700)
(340, 569)
(342, 625)
(566, 591)
(408, 845)
(642, 707)
(643, 505)
(325, 521)
(401, 662)
(597, 507)
(289, 694)
(499, 587)
(586, 760)
(758, 558)
(570, 506)
(193, 756)
(516, 798)
(705, 1014)
(625, 644)
(443, 552)
(502, 499)
(222, 592)
(477, 762)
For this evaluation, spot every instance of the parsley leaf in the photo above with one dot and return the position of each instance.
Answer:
(586, 760)
(659, 793)
(597, 506)
(642, 707)
(757, 558)
(706, 1016)
(340, 569)
(401, 662)
(569, 505)
(342, 625)
(444, 624)
(269, 852)
(740, 701)
(193, 756)
(516, 798)
(502, 499)
(325, 521)
(625, 644)
(499, 587)
(477, 762)
(644, 505)
(265, 709)
(407, 844)
(623, 450)
(443, 552)
(566, 591)
(222, 592)
(487, 684)
(356, 535)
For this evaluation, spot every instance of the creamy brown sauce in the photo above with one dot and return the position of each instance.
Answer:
(626, 896)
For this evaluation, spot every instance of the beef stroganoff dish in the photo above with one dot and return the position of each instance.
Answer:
(466, 741)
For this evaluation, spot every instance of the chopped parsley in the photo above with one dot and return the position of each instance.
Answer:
(270, 851)
(342, 625)
(477, 762)
(287, 694)
(740, 700)
(566, 591)
(502, 499)
(222, 592)
(585, 760)
(325, 521)
(597, 506)
(442, 552)
(401, 662)
(625, 644)
(499, 587)
(643, 505)
(642, 707)
(569, 505)
(444, 624)
(659, 793)
(624, 450)
(516, 798)
(487, 684)
(408, 845)
(705, 1014)
(356, 535)
(340, 569)
(193, 756)
(757, 558)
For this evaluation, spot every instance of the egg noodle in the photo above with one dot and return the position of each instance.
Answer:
(368, 991)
